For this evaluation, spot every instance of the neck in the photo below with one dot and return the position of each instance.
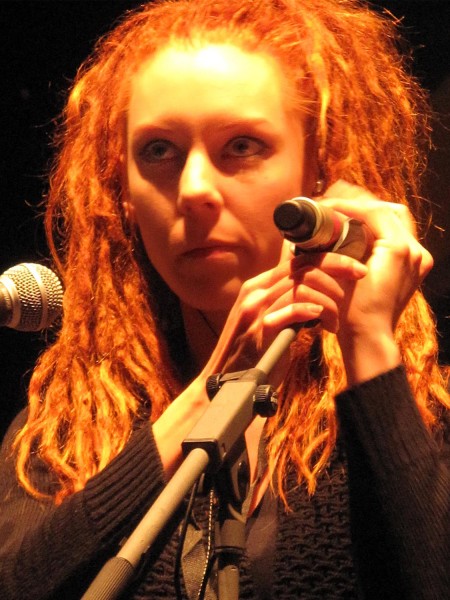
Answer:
(202, 332)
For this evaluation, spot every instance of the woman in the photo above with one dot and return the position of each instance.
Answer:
(190, 124)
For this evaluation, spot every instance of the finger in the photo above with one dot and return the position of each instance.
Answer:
(336, 265)
(307, 283)
(377, 214)
(287, 251)
(387, 220)
(316, 289)
(355, 201)
(293, 301)
(300, 282)
(333, 264)
(344, 189)
(300, 313)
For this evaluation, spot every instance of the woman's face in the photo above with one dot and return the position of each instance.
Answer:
(212, 149)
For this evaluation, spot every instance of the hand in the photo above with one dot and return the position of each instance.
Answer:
(297, 290)
(396, 267)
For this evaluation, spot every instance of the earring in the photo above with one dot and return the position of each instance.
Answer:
(319, 187)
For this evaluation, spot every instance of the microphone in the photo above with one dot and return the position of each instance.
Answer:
(313, 227)
(30, 297)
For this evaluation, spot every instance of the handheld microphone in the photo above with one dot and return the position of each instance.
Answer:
(30, 297)
(313, 227)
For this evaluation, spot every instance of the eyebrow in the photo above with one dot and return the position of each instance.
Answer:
(244, 121)
(172, 124)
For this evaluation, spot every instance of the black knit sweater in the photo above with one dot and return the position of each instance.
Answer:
(378, 526)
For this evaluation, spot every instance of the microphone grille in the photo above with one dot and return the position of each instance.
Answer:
(36, 294)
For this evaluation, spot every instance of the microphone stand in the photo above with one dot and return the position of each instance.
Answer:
(216, 440)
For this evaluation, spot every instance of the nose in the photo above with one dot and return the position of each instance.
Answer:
(198, 190)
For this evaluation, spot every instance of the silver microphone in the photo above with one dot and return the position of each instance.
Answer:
(30, 297)
(313, 227)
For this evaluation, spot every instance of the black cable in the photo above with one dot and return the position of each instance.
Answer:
(210, 557)
(179, 554)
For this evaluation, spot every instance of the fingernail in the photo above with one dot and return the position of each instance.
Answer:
(316, 309)
(359, 270)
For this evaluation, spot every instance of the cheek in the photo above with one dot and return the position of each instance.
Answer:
(152, 218)
(153, 226)
(147, 205)
(154, 240)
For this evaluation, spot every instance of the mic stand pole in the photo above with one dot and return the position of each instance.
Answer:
(208, 446)
(232, 485)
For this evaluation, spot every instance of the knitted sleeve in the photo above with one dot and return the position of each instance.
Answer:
(49, 551)
(399, 479)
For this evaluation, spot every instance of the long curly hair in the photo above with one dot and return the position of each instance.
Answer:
(113, 360)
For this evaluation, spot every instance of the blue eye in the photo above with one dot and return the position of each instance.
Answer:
(158, 151)
(242, 147)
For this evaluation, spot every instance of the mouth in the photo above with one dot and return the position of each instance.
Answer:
(212, 249)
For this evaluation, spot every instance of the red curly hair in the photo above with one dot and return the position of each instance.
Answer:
(112, 359)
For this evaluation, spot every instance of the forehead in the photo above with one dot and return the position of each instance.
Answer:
(220, 74)
(221, 59)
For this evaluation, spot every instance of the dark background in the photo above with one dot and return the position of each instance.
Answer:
(42, 44)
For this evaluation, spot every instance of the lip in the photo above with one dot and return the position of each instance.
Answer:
(211, 248)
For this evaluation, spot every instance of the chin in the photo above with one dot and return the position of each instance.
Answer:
(211, 297)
